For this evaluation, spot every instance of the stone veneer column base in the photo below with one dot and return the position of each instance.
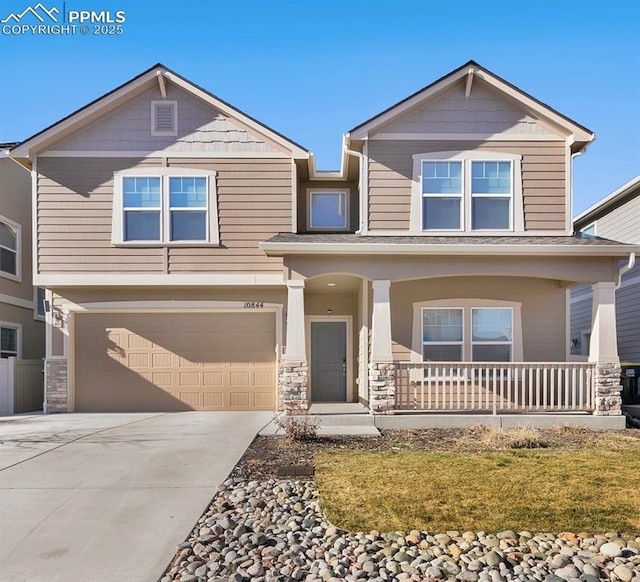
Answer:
(293, 387)
(56, 394)
(608, 390)
(382, 388)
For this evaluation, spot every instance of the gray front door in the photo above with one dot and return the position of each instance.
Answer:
(329, 361)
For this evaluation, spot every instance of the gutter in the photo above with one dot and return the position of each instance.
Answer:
(310, 248)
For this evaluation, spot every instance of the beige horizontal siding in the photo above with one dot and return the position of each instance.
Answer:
(75, 200)
(391, 173)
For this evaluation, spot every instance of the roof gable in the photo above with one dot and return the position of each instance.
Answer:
(158, 78)
(466, 77)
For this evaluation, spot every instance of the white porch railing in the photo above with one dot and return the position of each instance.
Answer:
(496, 387)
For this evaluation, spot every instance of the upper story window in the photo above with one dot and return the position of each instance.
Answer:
(9, 249)
(9, 340)
(164, 118)
(165, 205)
(328, 209)
(467, 191)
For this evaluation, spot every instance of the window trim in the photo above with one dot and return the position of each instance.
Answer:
(18, 328)
(516, 215)
(18, 228)
(467, 304)
(117, 230)
(347, 210)
(154, 105)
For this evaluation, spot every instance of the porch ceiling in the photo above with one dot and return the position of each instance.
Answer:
(338, 283)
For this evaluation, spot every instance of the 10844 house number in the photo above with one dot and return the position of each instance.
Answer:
(253, 304)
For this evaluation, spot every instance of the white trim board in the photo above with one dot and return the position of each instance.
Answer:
(17, 301)
(152, 280)
(385, 136)
(159, 154)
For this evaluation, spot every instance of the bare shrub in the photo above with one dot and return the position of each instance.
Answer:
(299, 427)
(500, 439)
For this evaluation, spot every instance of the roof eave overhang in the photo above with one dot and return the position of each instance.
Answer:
(284, 249)
(113, 99)
(608, 203)
(578, 134)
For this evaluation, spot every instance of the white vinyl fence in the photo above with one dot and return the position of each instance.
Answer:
(21, 385)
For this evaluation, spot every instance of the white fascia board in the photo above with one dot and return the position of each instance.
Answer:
(544, 112)
(276, 249)
(296, 152)
(363, 132)
(151, 280)
(70, 124)
(607, 201)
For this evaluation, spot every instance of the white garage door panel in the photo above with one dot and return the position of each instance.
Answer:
(207, 361)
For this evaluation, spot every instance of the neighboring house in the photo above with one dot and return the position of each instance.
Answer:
(615, 217)
(195, 259)
(21, 305)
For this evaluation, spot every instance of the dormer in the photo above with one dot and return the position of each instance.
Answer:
(470, 154)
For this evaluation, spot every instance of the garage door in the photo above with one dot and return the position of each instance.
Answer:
(179, 361)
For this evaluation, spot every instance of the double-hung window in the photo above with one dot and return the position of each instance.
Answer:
(442, 195)
(9, 248)
(165, 206)
(467, 330)
(467, 192)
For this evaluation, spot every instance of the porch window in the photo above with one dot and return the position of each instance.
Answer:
(442, 338)
(328, 210)
(467, 330)
(8, 341)
(491, 334)
(165, 206)
(9, 248)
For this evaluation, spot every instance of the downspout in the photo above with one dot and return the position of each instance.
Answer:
(573, 157)
(359, 155)
(623, 270)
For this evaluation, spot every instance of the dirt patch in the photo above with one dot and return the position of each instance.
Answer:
(277, 457)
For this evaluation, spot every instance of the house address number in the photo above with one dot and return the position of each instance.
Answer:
(253, 304)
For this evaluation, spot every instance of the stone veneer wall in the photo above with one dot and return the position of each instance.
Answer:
(382, 388)
(56, 386)
(293, 387)
(608, 389)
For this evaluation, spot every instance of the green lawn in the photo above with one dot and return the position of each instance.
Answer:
(540, 490)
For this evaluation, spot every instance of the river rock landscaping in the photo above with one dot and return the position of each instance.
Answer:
(261, 527)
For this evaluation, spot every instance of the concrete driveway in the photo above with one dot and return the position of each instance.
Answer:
(108, 496)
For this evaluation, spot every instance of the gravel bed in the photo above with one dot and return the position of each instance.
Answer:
(267, 531)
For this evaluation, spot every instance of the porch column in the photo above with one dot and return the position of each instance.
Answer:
(382, 370)
(603, 350)
(293, 377)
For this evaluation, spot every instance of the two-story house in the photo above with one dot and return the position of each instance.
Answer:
(22, 328)
(195, 259)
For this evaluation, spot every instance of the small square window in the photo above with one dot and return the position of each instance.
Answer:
(328, 210)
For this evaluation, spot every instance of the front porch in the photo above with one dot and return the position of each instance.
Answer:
(400, 329)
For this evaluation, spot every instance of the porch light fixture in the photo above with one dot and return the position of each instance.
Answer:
(331, 284)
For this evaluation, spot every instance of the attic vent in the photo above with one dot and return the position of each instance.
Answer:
(164, 118)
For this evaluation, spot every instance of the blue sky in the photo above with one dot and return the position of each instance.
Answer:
(314, 69)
